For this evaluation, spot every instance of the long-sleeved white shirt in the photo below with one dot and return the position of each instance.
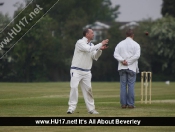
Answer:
(85, 53)
(128, 50)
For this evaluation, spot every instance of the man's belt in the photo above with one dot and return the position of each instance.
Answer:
(77, 68)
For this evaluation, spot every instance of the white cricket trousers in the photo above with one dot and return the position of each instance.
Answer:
(84, 79)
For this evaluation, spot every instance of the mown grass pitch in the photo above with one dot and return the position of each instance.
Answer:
(50, 100)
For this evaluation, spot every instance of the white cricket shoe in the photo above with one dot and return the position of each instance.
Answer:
(93, 112)
(70, 111)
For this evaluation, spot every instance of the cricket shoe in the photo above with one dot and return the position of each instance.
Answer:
(93, 112)
(70, 111)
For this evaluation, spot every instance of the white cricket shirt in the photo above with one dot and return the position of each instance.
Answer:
(128, 50)
(85, 53)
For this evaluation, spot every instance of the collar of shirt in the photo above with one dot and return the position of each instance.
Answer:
(129, 38)
(86, 40)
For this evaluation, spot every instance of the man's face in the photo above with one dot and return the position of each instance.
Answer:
(90, 34)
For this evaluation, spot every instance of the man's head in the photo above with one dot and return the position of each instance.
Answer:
(88, 33)
(130, 33)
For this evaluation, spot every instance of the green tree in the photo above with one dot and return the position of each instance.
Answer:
(168, 8)
(4, 21)
(163, 36)
(101, 10)
(6, 70)
(36, 51)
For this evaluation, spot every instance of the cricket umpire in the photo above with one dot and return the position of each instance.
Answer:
(84, 54)
(127, 53)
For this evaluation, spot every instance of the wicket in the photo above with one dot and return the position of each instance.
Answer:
(146, 80)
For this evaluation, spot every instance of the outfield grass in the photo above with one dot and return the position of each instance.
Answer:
(50, 99)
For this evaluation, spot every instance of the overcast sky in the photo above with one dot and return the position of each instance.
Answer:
(8, 6)
(136, 10)
(131, 10)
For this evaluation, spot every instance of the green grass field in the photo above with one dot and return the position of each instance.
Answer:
(50, 100)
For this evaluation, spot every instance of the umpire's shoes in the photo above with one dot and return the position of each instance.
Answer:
(93, 112)
(70, 111)
(131, 107)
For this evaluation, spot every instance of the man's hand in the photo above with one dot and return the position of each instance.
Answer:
(104, 47)
(125, 63)
(104, 43)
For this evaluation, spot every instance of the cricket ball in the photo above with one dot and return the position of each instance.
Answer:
(146, 33)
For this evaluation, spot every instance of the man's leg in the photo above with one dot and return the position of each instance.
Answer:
(123, 88)
(85, 84)
(131, 85)
(73, 98)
